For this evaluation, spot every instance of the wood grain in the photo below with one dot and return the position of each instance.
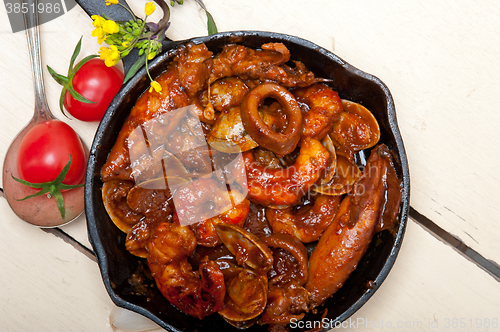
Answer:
(440, 61)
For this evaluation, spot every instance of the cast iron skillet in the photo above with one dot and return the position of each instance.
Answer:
(117, 265)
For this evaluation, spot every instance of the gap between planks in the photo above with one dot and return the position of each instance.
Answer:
(490, 266)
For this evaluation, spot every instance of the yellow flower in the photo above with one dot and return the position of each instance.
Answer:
(111, 2)
(110, 55)
(99, 33)
(126, 44)
(109, 27)
(98, 21)
(156, 86)
(150, 8)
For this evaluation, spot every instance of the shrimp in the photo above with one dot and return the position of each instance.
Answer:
(346, 240)
(321, 107)
(138, 237)
(285, 186)
(150, 105)
(205, 232)
(168, 249)
(306, 223)
(202, 204)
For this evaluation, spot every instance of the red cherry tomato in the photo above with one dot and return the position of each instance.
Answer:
(45, 150)
(96, 82)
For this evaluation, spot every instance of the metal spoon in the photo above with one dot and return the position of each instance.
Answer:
(39, 211)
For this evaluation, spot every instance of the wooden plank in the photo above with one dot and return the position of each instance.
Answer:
(431, 288)
(439, 61)
(47, 284)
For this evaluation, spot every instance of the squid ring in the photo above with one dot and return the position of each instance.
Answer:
(292, 245)
(279, 143)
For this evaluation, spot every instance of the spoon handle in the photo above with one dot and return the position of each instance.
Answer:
(42, 111)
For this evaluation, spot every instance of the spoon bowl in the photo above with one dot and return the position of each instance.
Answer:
(39, 211)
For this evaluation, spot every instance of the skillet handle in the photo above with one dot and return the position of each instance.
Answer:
(98, 7)
(117, 13)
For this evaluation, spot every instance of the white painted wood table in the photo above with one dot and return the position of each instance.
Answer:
(440, 61)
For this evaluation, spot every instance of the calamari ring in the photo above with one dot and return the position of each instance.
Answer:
(292, 245)
(279, 143)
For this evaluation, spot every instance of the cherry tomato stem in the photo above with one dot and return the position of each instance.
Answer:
(42, 160)
(89, 87)
(51, 188)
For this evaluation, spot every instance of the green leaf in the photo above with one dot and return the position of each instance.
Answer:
(78, 96)
(75, 54)
(29, 184)
(69, 84)
(51, 188)
(66, 81)
(40, 193)
(61, 100)
(211, 26)
(63, 80)
(80, 64)
(60, 202)
(63, 186)
(135, 68)
(59, 179)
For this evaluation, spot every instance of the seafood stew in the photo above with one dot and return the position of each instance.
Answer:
(305, 153)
